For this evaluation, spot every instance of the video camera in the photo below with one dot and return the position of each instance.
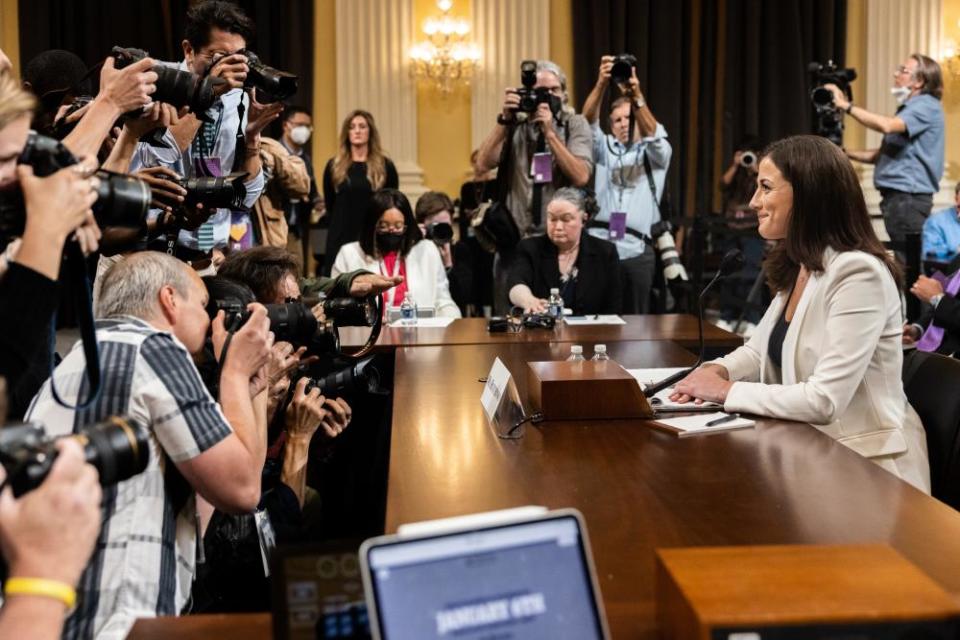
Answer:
(530, 97)
(271, 84)
(122, 200)
(440, 232)
(622, 70)
(176, 87)
(828, 121)
(118, 448)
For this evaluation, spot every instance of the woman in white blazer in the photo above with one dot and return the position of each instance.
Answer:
(392, 244)
(828, 350)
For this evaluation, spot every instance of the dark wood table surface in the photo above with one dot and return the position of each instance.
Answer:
(679, 328)
(639, 488)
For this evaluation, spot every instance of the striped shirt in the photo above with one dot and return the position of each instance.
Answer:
(144, 561)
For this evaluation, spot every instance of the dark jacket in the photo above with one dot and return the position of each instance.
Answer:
(597, 288)
(947, 317)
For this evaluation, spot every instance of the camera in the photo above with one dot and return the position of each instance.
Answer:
(440, 232)
(748, 159)
(359, 377)
(622, 70)
(662, 234)
(61, 128)
(531, 98)
(174, 86)
(828, 121)
(271, 84)
(215, 192)
(122, 200)
(117, 447)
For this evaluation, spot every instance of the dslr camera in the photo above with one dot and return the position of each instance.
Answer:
(271, 84)
(673, 269)
(222, 192)
(117, 447)
(532, 97)
(174, 86)
(440, 232)
(360, 377)
(828, 122)
(122, 200)
(622, 70)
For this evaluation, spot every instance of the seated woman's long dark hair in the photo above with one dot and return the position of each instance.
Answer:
(380, 202)
(828, 211)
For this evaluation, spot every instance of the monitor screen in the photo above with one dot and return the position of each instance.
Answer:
(526, 580)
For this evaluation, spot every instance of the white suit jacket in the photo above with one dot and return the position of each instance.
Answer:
(842, 359)
(426, 276)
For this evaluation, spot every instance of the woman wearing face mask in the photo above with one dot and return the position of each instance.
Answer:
(827, 350)
(392, 244)
(359, 168)
(585, 269)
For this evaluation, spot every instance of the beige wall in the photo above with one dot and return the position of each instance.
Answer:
(951, 92)
(9, 32)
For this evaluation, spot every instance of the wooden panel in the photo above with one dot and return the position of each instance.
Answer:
(588, 390)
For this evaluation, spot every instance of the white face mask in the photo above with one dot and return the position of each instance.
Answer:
(300, 134)
(900, 94)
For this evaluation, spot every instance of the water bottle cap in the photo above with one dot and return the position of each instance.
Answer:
(600, 348)
(554, 291)
(576, 349)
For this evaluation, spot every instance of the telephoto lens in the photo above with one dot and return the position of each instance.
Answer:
(176, 87)
(748, 159)
(360, 377)
(662, 234)
(117, 447)
(222, 192)
(272, 85)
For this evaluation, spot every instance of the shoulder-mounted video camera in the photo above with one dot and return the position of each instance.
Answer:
(828, 122)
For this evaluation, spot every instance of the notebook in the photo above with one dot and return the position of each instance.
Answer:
(661, 402)
(526, 576)
(713, 422)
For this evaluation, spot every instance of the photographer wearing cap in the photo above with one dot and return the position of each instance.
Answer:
(909, 162)
(152, 319)
(46, 537)
(632, 164)
(549, 148)
(227, 137)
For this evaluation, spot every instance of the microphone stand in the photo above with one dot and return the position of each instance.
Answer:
(731, 262)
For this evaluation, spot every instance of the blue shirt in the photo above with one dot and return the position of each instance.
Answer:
(621, 184)
(224, 148)
(941, 235)
(913, 161)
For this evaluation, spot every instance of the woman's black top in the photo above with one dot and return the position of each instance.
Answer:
(595, 287)
(346, 204)
(777, 335)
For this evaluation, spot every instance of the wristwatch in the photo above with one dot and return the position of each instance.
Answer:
(849, 108)
(935, 300)
(506, 122)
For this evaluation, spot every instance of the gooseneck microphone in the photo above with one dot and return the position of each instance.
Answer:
(731, 263)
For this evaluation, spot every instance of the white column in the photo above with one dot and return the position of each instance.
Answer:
(508, 32)
(895, 29)
(373, 38)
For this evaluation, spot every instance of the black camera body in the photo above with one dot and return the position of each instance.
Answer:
(440, 232)
(118, 448)
(122, 200)
(215, 192)
(828, 122)
(532, 97)
(622, 70)
(174, 86)
(272, 85)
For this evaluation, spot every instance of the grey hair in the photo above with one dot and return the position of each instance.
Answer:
(583, 200)
(130, 287)
(554, 68)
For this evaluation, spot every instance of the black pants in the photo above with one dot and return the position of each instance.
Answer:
(637, 276)
(904, 213)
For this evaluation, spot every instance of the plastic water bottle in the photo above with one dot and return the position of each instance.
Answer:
(555, 305)
(408, 311)
(576, 353)
(600, 352)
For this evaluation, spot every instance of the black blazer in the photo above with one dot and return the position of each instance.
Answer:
(946, 316)
(597, 288)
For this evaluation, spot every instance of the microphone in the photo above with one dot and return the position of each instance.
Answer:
(731, 263)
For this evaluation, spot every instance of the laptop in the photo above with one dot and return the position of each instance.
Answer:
(318, 592)
(524, 573)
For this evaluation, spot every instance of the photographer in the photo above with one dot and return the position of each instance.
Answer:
(57, 209)
(554, 138)
(288, 183)
(152, 318)
(215, 31)
(631, 170)
(909, 162)
(47, 537)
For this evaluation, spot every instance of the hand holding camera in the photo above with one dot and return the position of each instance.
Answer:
(249, 348)
(233, 69)
(167, 192)
(129, 88)
(260, 115)
(839, 99)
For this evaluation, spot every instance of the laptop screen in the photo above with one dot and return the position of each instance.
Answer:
(526, 580)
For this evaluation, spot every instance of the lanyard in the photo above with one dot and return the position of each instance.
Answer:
(620, 188)
(392, 291)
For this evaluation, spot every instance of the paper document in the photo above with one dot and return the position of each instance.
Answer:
(594, 319)
(690, 425)
(661, 401)
(424, 323)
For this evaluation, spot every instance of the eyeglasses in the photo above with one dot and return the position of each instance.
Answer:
(900, 70)
(386, 228)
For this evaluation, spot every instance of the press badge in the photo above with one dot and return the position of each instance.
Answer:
(618, 225)
(541, 169)
(268, 541)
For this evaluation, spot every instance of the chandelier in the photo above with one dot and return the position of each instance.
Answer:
(446, 57)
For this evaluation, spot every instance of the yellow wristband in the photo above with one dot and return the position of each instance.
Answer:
(42, 587)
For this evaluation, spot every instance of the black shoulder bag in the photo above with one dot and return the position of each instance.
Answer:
(493, 224)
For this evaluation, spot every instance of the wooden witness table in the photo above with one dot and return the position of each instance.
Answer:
(639, 488)
(679, 328)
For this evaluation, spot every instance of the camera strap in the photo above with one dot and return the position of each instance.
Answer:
(653, 185)
(76, 272)
(240, 151)
(537, 199)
